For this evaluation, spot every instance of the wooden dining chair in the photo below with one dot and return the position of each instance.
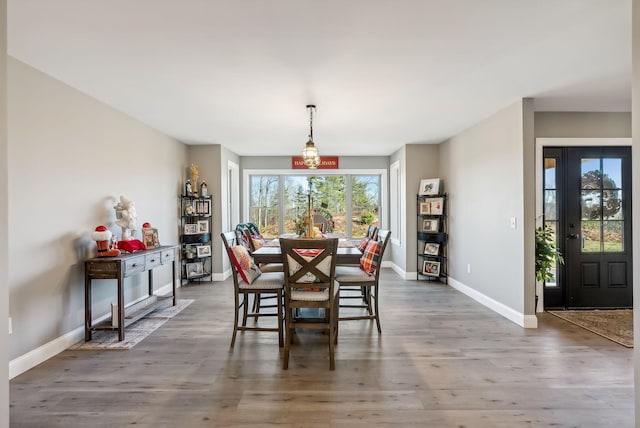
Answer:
(309, 278)
(252, 282)
(244, 237)
(372, 232)
(362, 282)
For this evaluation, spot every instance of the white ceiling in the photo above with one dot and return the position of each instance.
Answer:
(383, 73)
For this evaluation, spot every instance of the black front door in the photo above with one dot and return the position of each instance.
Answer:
(591, 197)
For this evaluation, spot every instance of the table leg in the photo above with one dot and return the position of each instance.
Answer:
(120, 308)
(87, 306)
(173, 279)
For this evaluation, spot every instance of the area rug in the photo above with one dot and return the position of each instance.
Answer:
(615, 324)
(134, 333)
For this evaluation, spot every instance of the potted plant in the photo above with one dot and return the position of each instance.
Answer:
(547, 255)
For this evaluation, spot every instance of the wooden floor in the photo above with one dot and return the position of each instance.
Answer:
(442, 360)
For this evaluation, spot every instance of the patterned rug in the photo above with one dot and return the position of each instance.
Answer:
(108, 339)
(615, 324)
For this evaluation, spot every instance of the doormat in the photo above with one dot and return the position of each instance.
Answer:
(614, 324)
(134, 333)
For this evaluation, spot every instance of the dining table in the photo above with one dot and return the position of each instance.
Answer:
(347, 254)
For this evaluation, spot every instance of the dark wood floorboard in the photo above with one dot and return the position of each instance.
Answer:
(442, 360)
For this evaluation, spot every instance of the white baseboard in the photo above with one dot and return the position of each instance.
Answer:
(25, 362)
(526, 321)
(32, 358)
(408, 276)
(221, 276)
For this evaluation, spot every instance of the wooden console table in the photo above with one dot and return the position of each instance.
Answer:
(119, 268)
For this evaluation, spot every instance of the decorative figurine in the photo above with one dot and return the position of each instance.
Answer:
(204, 192)
(188, 190)
(103, 236)
(194, 179)
(126, 218)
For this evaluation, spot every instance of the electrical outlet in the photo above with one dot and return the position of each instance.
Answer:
(469, 268)
(10, 326)
(513, 223)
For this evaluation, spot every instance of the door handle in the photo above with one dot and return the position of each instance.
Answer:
(573, 236)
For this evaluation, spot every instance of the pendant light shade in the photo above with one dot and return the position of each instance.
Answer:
(310, 154)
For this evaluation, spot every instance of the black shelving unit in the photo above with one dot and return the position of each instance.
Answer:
(432, 237)
(195, 238)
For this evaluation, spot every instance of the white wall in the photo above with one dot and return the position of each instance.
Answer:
(636, 197)
(4, 289)
(483, 168)
(69, 157)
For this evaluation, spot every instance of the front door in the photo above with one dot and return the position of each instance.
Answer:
(591, 195)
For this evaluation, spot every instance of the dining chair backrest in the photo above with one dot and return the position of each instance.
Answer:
(372, 232)
(382, 237)
(309, 264)
(229, 240)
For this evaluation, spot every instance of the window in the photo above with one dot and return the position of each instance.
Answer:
(346, 203)
(264, 204)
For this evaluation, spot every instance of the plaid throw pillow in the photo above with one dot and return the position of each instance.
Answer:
(244, 263)
(363, 244)
(370, 257)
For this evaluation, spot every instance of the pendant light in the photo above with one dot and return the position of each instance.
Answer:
(310, 154)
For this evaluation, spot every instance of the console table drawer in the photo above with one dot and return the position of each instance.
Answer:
(134, 265)
(168, 256)
(103, 269)
(151, 260)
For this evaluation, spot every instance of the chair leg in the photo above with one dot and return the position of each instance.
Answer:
(245, 303)
(287, 342)
(333, 323)
(280, 319)
(367, 292)
(375, 298)
(235, 320)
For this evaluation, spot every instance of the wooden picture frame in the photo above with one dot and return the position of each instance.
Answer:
(194, 269)
(431, 268)
(203, 226)
(431, 248)
(203, 207)
(429, 186)
(430, 225)
(150, 238)
(203, 251)
(425, 208)
(436, 205)
(190, 228)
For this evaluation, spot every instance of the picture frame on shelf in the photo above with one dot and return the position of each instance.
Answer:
(425, 208)
(194, 269)
(203, 250)
(190, 228)
(436, 205)
(150, 238)
(429, 186)
(430, 225)
(431, 268)
(203, 207)
(431, 249)
(203, 226)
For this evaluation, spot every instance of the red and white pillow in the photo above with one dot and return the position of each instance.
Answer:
(244, 263)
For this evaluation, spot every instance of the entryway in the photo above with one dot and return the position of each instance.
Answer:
(586, 200)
